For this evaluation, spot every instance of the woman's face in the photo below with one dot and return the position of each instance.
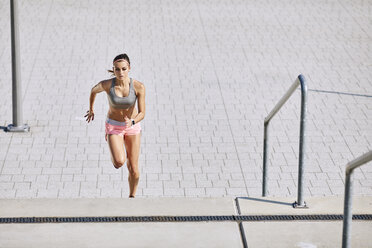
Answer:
(121, 69)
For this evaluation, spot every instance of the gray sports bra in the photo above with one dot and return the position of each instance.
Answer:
(121, 102)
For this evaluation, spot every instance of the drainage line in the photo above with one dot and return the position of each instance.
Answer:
(207, 218)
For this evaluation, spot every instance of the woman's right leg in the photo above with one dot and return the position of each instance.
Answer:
(116, 145)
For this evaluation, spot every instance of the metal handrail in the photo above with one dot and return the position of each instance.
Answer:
(348, 195)
(300, 80)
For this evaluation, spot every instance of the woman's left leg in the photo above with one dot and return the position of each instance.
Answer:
(132, 146)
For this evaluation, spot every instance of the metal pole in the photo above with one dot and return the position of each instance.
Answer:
(365, 158)
(300, 199)
(347, 210)
(265, 153)
(17, 125)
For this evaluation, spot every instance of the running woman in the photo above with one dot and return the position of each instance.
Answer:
(123, 126)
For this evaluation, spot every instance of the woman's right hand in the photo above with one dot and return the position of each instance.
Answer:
(89, 116)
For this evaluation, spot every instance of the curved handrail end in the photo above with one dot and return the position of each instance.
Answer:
(365, 158)
(303, 83)
(301, 78)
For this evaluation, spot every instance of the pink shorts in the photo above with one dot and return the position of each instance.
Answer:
(119, 128)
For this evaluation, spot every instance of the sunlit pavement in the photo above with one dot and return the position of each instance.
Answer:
(213, 70)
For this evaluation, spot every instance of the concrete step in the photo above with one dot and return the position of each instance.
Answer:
(304, 234)
(180, 234)
(145, 234)
(121, 235)
(178, 206)
(117, 207)
(309, 234)
(316, 205)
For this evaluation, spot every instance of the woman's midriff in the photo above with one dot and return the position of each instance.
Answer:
(120, 114)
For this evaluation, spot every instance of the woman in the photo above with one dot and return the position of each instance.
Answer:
(123, 126)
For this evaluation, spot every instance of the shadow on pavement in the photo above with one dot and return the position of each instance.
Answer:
(267, 201)
(4, 128)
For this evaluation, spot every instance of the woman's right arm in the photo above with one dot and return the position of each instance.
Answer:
(95, 90)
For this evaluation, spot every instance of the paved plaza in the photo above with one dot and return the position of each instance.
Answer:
(213, 70)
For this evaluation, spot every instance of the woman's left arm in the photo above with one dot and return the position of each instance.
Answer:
(141, 92)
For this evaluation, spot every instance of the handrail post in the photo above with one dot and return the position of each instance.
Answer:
(300, 199)
(300, 80)
(265, 153)
(17, 125)
(348, 201)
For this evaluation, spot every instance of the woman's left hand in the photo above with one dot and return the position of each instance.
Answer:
(128, 122)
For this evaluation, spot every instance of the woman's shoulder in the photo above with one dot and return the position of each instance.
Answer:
(106, 83)
(138, 85)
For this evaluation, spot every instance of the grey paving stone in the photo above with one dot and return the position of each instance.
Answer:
(26, 193)
(195, 192)
(8, 178)
(220, 183)
(7, 194)
(236, 192)
(154, 184)
(67, 178)
(174, 192)
(7, 186)
(187, 184)
(153, 191)
(39, 185)
(55, 185)
(42, 193)
(90, 193)
(215, 192)
(163, 177)
(111, 193)
(71, 185)
(171, 184)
